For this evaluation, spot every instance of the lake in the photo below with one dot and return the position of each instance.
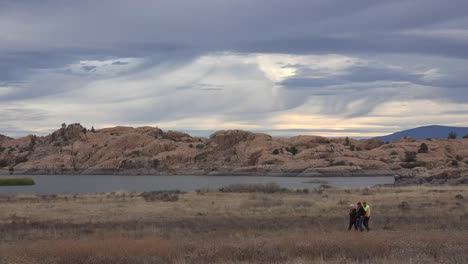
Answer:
(56, 184)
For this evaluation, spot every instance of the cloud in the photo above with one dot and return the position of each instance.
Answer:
(215, 64)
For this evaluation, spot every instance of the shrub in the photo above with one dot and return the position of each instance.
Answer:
(20, 159)
(93, 130)
(454, 163)
(423, 148)
(459, 197)
(338, 163)
(452, 135)
(292, 150)
(404, 205)
(275, 152)
(410, 156)
(199, 146)
(465, 136)
(352, 147)
(252, 188)
(16, 181)
(165, 196)
(411, 165)
(393, 152)
(347, 142)
(459, 158)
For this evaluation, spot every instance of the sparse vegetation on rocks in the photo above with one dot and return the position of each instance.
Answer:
(150, 150)
(423, 148)
(410, 156)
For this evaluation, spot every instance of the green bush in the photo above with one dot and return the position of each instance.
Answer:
(452, 135)
(275, 152)
(16, 181)
(423, 148)
(293, 150)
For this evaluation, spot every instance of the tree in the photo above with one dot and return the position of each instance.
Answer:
(452, 135)
(93, 130)
(347, 141)
(292, 150)
(423, 148)
(64, 125)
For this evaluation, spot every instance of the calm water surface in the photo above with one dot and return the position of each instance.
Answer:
(56, 184)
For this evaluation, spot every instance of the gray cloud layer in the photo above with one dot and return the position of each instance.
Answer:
(72, 51)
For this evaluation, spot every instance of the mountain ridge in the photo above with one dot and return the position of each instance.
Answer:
(425, 132)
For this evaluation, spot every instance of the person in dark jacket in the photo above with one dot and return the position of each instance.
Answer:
(360, 216)
(352, 218)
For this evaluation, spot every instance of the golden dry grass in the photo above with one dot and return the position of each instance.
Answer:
(410, 225)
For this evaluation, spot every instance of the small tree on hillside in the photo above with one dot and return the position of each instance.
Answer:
(347, 141)
(452, 135)
(423, 148)
(93, 130)
(293, 150)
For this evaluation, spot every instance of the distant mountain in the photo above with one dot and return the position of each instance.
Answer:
(426, 132)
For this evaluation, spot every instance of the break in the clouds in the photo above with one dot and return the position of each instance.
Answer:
(357, 68)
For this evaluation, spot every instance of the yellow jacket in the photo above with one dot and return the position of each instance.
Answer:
(367, 209)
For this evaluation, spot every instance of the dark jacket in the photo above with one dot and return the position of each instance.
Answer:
(360, 212)
(352, 214)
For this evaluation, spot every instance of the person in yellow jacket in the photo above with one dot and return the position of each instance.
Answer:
(366, 215)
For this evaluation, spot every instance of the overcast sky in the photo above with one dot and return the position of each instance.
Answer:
(332, 68)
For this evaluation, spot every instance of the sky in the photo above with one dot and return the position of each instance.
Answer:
(318, 67)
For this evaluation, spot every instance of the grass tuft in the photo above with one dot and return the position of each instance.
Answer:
(16, 181)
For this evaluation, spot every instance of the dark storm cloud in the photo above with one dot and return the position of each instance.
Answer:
(273, 25)
(39, 40)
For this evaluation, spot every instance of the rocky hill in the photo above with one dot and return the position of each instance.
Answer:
(148, 150)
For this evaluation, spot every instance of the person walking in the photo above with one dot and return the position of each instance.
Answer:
(360, 216)
(352, 218)
(366, 215)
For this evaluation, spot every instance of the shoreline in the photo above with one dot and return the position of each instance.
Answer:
(321, 173)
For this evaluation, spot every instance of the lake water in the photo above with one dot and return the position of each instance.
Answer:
(56, 184)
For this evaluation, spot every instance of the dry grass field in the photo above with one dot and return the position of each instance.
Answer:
(409, 225)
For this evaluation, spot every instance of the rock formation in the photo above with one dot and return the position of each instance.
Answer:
(149, 150)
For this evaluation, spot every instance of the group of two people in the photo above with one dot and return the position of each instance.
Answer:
(359, 216)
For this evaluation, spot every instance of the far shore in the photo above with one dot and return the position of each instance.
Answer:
(309, 173)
